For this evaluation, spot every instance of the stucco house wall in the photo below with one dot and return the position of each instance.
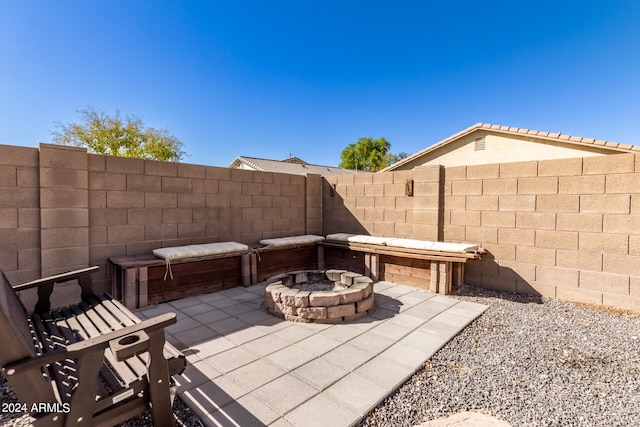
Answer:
(483, 144)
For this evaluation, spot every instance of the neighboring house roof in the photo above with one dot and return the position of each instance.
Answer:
(512, 131)
(292, 165)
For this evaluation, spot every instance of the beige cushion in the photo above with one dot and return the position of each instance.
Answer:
(194, 251)
(404, 243)
(432, 246)
(358, 238)
(293, 240)
(343, 237)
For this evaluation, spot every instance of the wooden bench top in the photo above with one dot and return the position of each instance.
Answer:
(404, 252)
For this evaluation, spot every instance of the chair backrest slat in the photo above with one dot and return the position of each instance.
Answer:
(15, 334)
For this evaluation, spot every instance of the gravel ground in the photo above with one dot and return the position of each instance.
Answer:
(531, 362)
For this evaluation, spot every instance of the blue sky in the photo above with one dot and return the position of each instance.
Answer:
(307, 78)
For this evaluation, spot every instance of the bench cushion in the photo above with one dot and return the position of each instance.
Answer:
(293, 240)
(405, 243)
(194, 251)
(359, 238)
(432, 246)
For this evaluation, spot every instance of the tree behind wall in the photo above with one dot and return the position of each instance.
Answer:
(113, 135)
(367, 154)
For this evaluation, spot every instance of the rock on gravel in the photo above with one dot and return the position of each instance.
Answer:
(530, 361)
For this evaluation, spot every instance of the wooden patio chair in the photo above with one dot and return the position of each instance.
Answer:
(94, 363)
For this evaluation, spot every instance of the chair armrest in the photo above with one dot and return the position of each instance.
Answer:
(58, 278)
(82, 348)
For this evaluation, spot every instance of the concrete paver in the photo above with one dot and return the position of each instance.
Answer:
(285, 393)
(250, 368)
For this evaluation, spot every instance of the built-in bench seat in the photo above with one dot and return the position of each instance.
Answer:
(176, 272)
(436, 266)
(284, 254)
(292, 240)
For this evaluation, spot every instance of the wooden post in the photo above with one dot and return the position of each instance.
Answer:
(320, 257)
(245, 267)
(367, 264)
(143, 287)
(374, 267)
(129, 290)
(254, 268)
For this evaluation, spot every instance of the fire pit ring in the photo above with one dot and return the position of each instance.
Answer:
(316, 296)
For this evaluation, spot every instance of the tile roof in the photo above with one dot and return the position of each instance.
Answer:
(555, 136)
(286, 166)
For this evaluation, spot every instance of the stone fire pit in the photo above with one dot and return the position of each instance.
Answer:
(330, 296)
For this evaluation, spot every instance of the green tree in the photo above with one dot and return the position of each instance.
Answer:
(113, 135)
(393, 158)
(366, 154)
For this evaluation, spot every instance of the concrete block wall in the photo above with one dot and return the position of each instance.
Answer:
(378, 204)
(19, 213)
(61, 208)
(567, 229)
(138, 205)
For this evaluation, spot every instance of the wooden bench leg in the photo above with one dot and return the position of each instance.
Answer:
(320, 257)
(245, 266)
(130, 288)
(374, 267)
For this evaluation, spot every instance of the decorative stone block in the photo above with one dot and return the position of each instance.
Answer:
(366, 304)
(341, 311)
(366, 288)
(324, 299)
(335, 275)
(301, 299)
(288, 296)
(312, 312)
(348, 277)
(350, 295)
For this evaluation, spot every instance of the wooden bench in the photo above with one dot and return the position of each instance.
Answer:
(436, 270)
(285, 254)
(90, 364)
(146, 279)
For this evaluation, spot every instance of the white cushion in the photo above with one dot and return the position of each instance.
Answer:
(343, 237)
(358, 238)
(194, 251)
(404, 243)
(432, 246)
(293, 240)
(372, 240)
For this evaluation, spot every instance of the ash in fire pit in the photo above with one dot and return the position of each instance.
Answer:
(330, 296)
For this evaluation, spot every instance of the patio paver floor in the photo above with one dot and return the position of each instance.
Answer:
(250, 368)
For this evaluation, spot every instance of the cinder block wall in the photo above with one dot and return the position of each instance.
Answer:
(568, 229)
(19, 213)
(378, 204)
(61, 208)
(138, 205)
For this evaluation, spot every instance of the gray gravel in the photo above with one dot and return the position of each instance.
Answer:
(531, 362)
